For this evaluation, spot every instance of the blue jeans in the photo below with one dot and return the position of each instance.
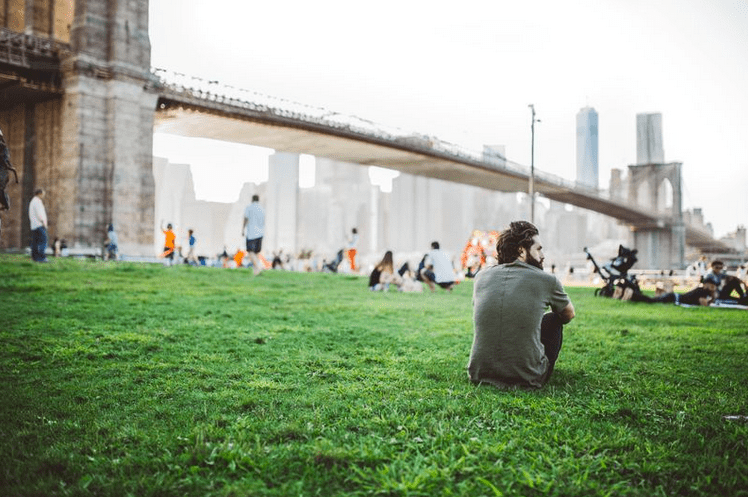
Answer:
(39, 244)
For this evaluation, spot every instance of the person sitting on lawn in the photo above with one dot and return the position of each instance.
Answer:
(727, 283)
(515, 342)
(437, 269)
(382, 274)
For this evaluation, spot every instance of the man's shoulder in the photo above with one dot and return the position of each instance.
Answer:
(527, 270)
(519, 266)
(495, 272)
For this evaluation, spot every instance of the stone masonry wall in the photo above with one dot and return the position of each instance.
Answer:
(13, 124)
(106, 163)
(47, 156)
(45, 18)
(32, 133)
(84, 168)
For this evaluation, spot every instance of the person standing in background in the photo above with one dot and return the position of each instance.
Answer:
(38, 224)
(253, 230)
(351, 249)
(191, 257)
(111, 243)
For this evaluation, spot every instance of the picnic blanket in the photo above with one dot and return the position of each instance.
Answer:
(720, 304)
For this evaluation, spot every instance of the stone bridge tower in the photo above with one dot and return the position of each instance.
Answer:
(82, 130)
(658, 187)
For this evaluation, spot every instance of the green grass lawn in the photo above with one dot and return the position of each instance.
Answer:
(127, 379)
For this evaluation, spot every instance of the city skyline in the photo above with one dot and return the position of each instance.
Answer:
(467, 75)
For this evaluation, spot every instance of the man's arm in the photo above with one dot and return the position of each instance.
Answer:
(567, 313)
(44, 216)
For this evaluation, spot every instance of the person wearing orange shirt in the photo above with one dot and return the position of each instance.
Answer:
(239, 257)
(169, 238)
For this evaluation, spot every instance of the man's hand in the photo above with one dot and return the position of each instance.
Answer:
(567, 313)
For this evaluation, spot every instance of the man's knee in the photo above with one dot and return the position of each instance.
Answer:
(551, 321)
(428, 275)
(551, 333)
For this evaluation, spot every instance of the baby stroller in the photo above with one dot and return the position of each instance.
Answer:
(615, 273)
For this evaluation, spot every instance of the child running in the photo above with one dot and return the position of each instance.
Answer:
(168, 243)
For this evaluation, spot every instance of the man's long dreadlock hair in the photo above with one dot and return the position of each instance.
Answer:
(518, 235)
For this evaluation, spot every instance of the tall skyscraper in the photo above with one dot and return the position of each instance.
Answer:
(587, 147)
(649, 148)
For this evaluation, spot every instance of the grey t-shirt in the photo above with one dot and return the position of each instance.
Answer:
(509, 301)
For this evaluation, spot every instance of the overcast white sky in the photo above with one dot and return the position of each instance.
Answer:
(466, 71)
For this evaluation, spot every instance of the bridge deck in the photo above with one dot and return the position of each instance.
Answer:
(182, 113)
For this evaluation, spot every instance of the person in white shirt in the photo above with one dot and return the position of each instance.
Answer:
(38, 225)
(254, 229)
(438, 269)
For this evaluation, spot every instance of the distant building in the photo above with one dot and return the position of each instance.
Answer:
(694, 217)
(649, 148)
(587, 147)
(281, 203)
(736, 239)
(566, 231)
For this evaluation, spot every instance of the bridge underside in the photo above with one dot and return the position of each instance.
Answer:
(186, 122)
(15, 89)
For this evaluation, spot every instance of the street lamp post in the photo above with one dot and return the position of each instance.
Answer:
(532, 165)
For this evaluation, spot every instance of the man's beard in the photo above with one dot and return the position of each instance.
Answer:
(533, 261)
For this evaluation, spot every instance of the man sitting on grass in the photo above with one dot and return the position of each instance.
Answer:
(438, 269)
(726, 284)
(515, 342)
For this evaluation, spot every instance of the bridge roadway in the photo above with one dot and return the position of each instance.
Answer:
(196, 108)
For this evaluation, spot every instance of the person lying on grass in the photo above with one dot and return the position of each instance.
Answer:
(515, 342)
(704, 294)
(707, 293)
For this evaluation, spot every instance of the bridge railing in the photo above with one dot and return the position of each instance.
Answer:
(226, 94)
(217, 92)
(29, 51)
